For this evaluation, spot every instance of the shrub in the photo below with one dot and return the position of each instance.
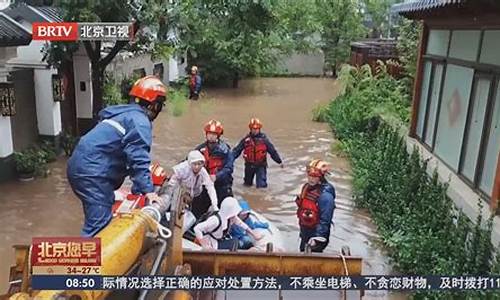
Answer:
(424, 232)
(30, 162)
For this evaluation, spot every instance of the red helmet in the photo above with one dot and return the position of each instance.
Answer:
(149, 88)
(255, 124)
(214, 126)
(317, 168)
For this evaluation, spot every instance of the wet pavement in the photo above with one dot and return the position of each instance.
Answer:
(47, 207)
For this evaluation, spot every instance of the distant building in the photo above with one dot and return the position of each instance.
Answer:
(369, 51)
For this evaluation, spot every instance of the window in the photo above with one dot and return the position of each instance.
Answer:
(438, 42)
(140, 72)
(453, 112)
(465, 44)
(158, 71)
(7, 99)
(491, 44)
(432, 106)
(492, 146)
(57, 88)
(423, 98)
(459, 109)
(477, 112)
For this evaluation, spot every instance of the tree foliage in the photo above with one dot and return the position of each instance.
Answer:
(300, 25)
(340, 24)
(229, 38)
(378, 12)
(147, 18)
(409, 35)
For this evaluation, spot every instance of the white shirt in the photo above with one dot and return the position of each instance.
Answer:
(211, 223)
(193, 183)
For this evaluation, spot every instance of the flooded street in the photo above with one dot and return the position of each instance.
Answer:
(47, 207)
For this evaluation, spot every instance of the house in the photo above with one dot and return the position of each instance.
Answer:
(75, 109)
(28, 67)
(126, 64)
(14, 106)
(456, 102)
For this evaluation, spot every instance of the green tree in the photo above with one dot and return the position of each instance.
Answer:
(148, 28)
(229, 39)
(341, 23)
(378, 12)
(299, 25)
(409, 35)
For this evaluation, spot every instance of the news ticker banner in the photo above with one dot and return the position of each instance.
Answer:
(66, 256)
(399, 283)
(75, 263)
(72, 31)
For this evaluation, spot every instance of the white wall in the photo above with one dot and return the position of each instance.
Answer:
(303, 64)
(6, 145)
(81, 66)
(124, 67)
(173, 69)
(48, 112)
(6, 53)
(177, 69)
(31, 52)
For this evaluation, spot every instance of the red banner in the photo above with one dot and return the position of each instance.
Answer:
(66, 251)
(55, 31)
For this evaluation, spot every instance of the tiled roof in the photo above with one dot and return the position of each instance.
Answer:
(54, 13)
(35, 13)
(12, 33)
(423, 5)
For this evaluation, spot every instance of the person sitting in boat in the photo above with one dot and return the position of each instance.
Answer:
(213, 232)
(316, 204)
(194, 177)
(244, 239)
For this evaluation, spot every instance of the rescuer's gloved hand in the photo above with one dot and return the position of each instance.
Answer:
(154, 199)
(203, 242)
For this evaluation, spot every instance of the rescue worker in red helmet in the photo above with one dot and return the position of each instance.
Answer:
(194, 84)
(118, 146)
(219, 164)
(315, 206)
(255, 147)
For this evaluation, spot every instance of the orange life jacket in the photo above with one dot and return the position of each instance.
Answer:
(212, 163)
(255, 150)
(308, 208)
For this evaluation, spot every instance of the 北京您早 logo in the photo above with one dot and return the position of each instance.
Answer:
(4, 4)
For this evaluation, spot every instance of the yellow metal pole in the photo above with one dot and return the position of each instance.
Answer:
(122, 244)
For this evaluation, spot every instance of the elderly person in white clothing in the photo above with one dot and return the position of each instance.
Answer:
(212, 233)
(193, 176)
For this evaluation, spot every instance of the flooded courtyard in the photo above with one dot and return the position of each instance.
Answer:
(47, 206)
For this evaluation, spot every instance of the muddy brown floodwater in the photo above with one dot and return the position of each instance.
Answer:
(47, 207)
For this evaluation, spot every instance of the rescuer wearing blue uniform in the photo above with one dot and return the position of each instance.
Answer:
(118, 146)
(316, 204)
(255, 147)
